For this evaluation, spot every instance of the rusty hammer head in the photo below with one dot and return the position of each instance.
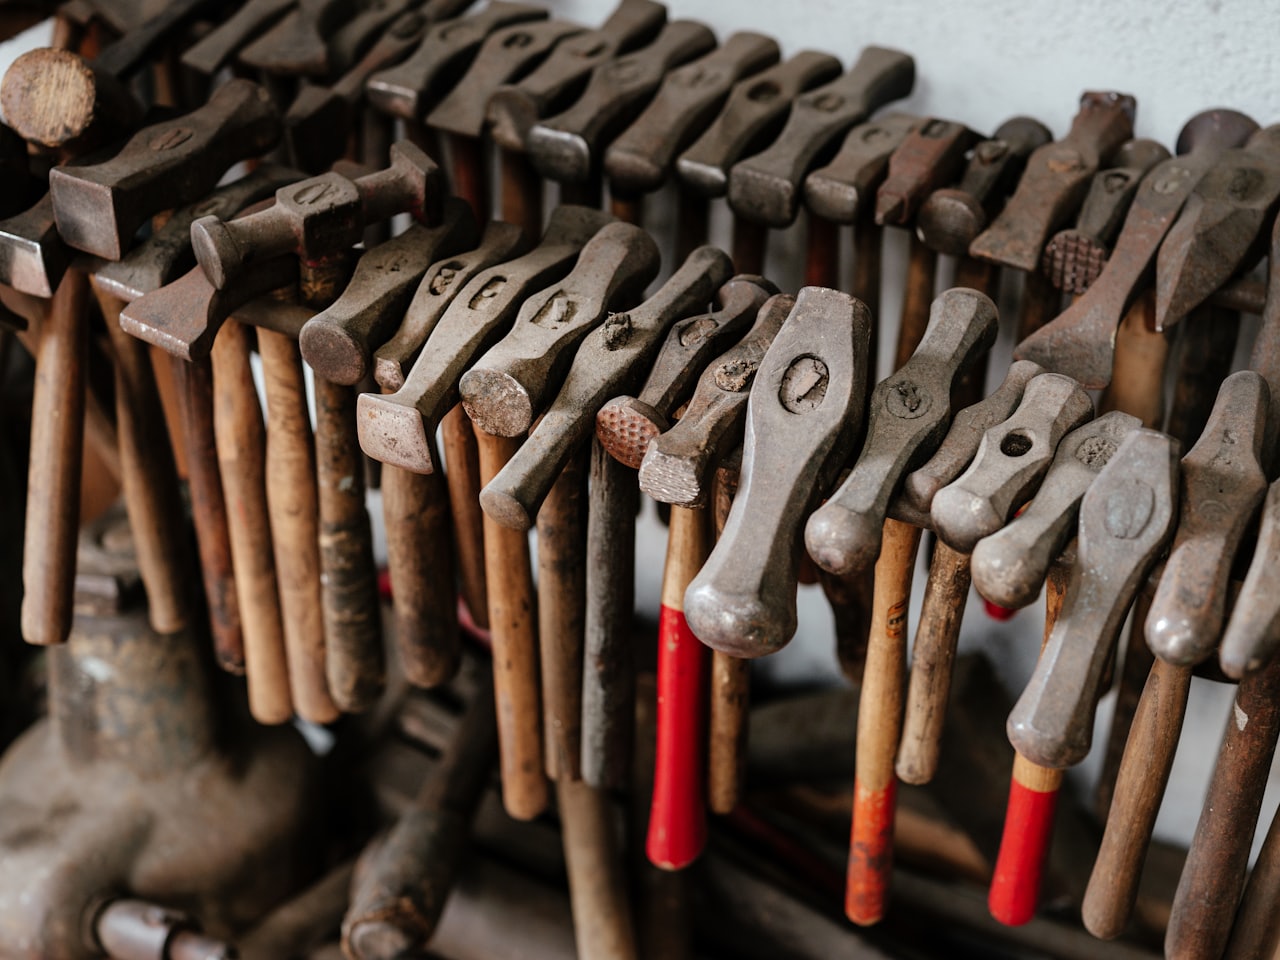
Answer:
(322, 216)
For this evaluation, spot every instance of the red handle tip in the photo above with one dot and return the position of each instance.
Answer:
(1024, 847)
(866, 893)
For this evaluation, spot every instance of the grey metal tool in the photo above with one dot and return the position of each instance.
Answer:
(908, 417)
(1012, 459)
(1126, 519)
(1009, 566)
(803, 414)
(510, 385)
(614, 355)
(678, 464)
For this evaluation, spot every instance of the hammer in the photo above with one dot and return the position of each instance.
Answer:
(1052, 188)
(751, 118)
(767, 187)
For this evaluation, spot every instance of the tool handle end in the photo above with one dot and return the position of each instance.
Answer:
(1024, 846)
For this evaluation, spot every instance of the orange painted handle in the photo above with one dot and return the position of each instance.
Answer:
(870, 853)
(678, 814)
(1024, 846)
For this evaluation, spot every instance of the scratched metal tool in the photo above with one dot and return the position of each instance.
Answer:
(167, 253)
(678, 464)
(640, 159)
(329, 210)
(908, 417)
(1081, 342)
(99, 207)
(1127, 517)
(338, 341)
(1073, 258)
(568, 147)
(625, 425)
(1009, 566)
(752, 117)
(767, 187)
(931, 155)
(514, 108)
(296, 44)
(613, 356)
(842, 192)
(742, 602)
(967, 429)
(410, 88)
(1217, 230)
(1012, 459)
(1222, 486)
(509, 386)
(216, 48)
(952, 217)
(33, 256)
(500, 243)
(399, 428)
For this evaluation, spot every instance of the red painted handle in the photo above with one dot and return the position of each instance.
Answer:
(997, 612)
(870, 853)
(1024, 846)
(678, 815)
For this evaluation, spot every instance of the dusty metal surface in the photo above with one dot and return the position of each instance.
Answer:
(1073, 259)
(509, 386)
(640, 159)
(678, 465)
(167, 253)
(840, 190)
(338, 341)
(513, 109)
(1054, 184)
(320, 217)
(504, 56)
(967, 429)
(399, 428)
(568, 147)
(139, 781)
(1009, 566)
(1011, 461)
(907, 418)
(752, 117)
(742, 601)
(99, 207)
(1251, 636)
(33, 256)
(929, 157)
(613, 356)
(952, 217)
(1223, 484)
(625, 425)
(1217, 230)
(392, 361)
(1127, 517)
(212, 51)
(766, 188)
(296, 44)
(1081, 342)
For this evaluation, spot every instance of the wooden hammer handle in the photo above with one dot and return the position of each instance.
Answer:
(678, 816)
(240, 439)
(602, 922)
(415, 508)
(1033, 797)
(513, 630)
(879, 726)
(53, 478)
(149, 476)
(1140, 785)
(349, 584)
(291, 500)
(462, 461)
(194, 386)
(932, 660)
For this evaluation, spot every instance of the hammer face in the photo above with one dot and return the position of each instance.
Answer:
(33, 257)
(840, 190)
(1126, 518)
